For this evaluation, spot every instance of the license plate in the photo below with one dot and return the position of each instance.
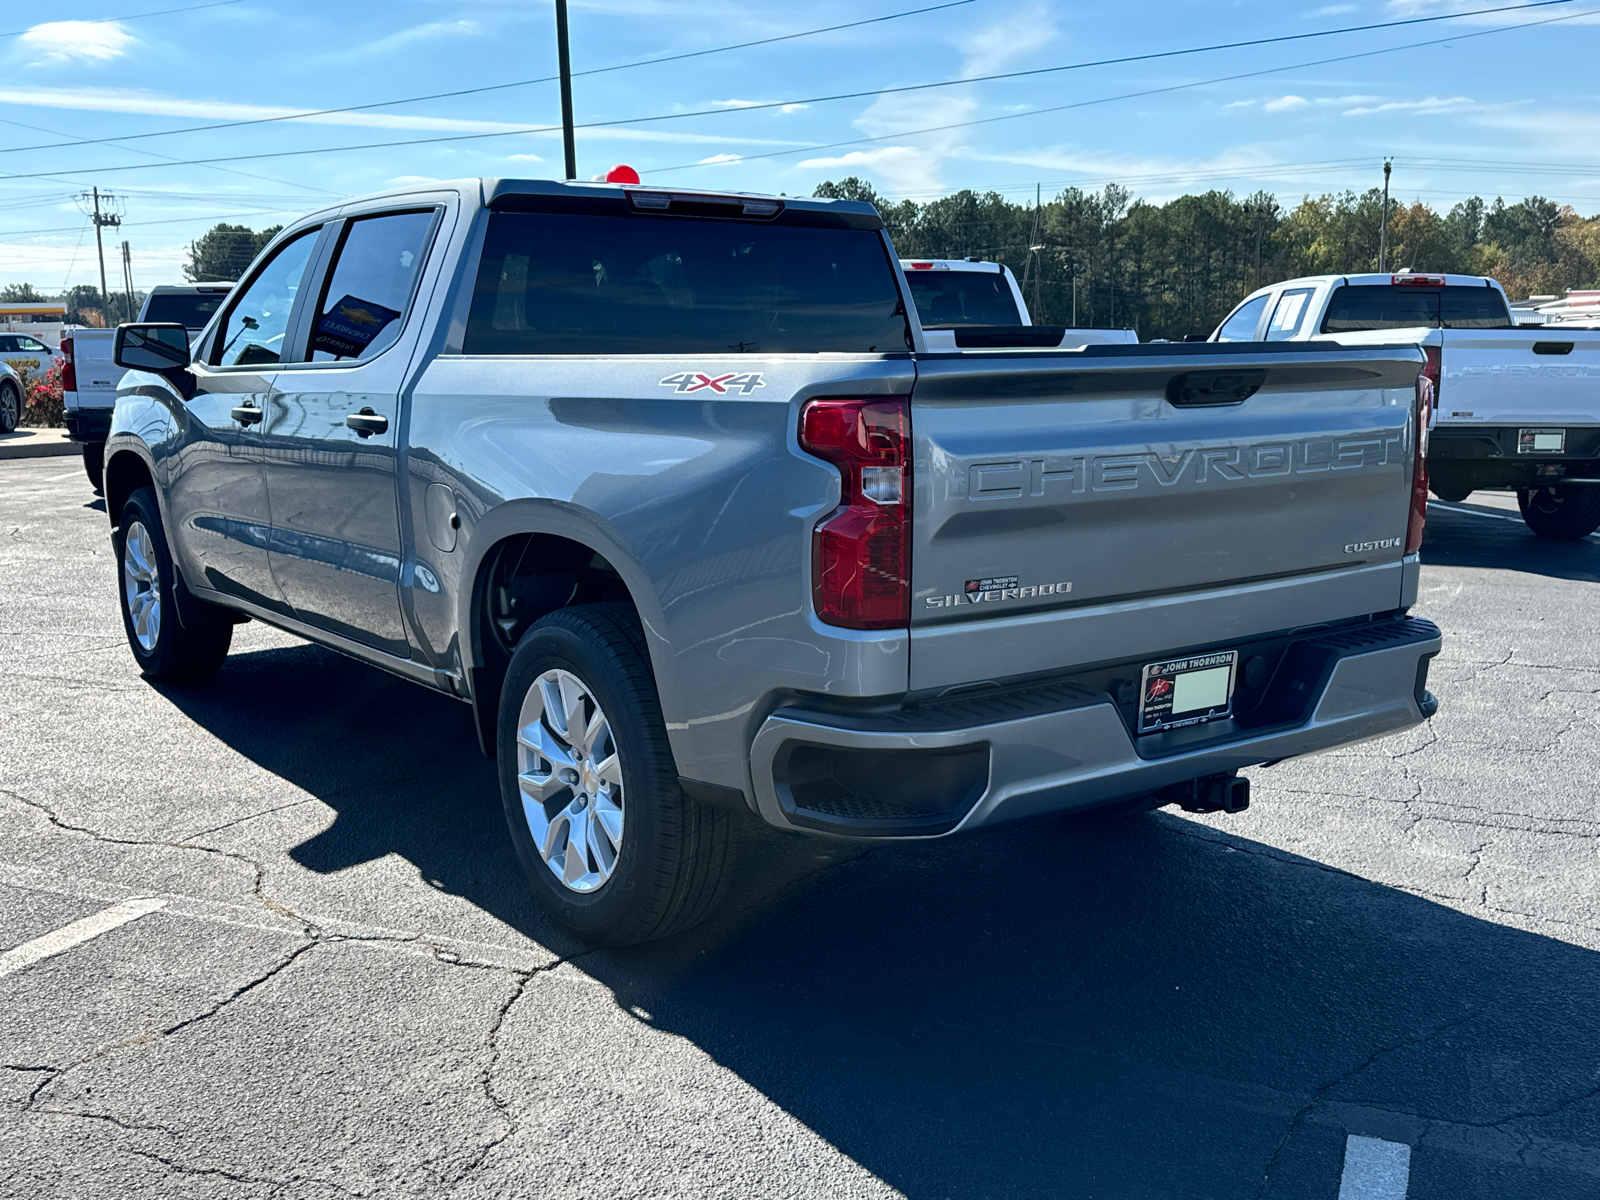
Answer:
(1187, 691)
(1541, 441)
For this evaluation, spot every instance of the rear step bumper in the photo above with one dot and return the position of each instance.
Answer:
(953, 766)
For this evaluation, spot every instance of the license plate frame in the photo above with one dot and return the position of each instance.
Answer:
(1528, 441)
(1200, 674)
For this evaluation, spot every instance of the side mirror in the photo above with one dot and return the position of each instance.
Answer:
(158, 348)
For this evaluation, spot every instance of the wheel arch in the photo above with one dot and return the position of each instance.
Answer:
(527, 558)
(124, 472)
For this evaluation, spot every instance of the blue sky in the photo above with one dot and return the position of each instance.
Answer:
(1505, 113)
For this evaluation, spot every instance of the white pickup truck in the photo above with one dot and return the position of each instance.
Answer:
(969, 304)
(89, 378)
(1516, 408)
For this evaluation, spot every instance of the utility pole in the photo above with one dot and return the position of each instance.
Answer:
(101, 221)
(1383, 229)
(1256, 211)
(127, 276)
(564, 59)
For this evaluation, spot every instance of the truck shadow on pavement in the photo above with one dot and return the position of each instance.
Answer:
(1069, 1007)
(1482, 537)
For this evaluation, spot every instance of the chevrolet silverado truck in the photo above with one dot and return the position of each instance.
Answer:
(1516, 408)
(668, 487)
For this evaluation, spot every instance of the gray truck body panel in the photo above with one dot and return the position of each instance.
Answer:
(1177, 529)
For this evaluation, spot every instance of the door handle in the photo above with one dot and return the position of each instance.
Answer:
(247, 414)
(366, 423)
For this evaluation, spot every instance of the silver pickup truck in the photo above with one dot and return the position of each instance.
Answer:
(669, 488)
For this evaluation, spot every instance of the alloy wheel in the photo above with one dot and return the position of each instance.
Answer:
(141, 585)
(570, 777)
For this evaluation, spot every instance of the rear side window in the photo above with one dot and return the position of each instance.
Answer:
(360, 313)
(176, 308)
(1289, 314)
(593, 284)
(946, 298)
(1241, 326)
(1355, 309)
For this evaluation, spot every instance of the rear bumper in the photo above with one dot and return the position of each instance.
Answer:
(1468, 457)
(88, 424)
(954, 766)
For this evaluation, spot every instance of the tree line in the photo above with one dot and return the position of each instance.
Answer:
(1110, 260)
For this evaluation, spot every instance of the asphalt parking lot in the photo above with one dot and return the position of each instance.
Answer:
(309, 967)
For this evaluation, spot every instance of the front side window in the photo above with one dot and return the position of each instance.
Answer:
(361, 310)
(948, 298)
(1289, 314)
(252, 333)
(32, 345)
(1241, 326)
(593, 284)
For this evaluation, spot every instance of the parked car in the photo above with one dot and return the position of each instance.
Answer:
(30, 349)
(12, 398)
(1515, 408)
(969, 304)
(669, 488)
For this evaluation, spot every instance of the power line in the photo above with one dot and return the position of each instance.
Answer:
(497, 87)
(467, 137)
(165, 12)
(1177, 87)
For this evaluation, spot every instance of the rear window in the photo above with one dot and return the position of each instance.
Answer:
(188, 310)
(595, 284)
(946, 298)
(1354, 309)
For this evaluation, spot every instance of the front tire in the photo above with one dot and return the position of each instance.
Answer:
(606, 836)
(167, 648)
(94, 465)
(10, 406)
(1565, 514)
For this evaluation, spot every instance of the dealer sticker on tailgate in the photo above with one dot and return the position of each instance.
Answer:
(1187, 691)
(1541, 441)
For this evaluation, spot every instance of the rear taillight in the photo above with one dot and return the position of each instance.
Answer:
(861, 552)
(1427, 401)
(69, 369)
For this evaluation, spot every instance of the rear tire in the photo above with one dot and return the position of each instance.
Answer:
(606, 836)
(167, 648)
(10, 406)
(1561, 513)
(94, 465)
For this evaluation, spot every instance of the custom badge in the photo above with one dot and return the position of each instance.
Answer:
(743, 382)
(350, 327)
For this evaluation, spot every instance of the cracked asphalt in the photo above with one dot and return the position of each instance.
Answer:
(349, 992)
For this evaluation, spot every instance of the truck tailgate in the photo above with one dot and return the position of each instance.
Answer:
(1527, 376)
(1068, 513)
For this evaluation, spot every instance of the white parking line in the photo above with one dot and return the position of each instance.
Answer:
(1375, 1169)
(75, 934)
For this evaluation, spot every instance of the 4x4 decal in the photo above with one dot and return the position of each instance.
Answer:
(734, 381)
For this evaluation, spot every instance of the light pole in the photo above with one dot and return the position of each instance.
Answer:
(564, 59)
(1383, 228)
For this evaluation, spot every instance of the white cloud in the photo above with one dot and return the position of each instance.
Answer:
(432, 31)
(1427, 105)
(1335, 10)
(1238, 104)
(717, 159)
(995, 48)
(1285, 104)
(156, 104)
(523, 158)
(57, 42)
